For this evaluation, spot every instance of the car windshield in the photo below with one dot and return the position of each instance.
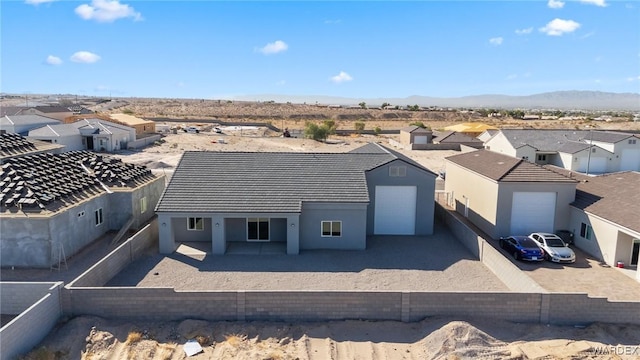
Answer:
(528, 243)
(555, 243)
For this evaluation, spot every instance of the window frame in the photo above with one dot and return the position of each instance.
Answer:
(586, 231)
(397, 171)
(331, 232)
(260, 221)
(192, 223)
(143, 205)
(98, 217)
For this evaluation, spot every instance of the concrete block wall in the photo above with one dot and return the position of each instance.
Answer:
(579, 308)
(317, 306)
(523, 307)
(100, 273)
(16, 297)
(33, 324)
(152, 303)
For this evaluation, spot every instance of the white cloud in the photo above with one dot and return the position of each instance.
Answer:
(557, 27)
(84, 57)
(53, 60)
(274, 47)
(37, 2)
(107, 11)
(342, 77)
(496, 41)
(555, 4)
(524, 31)
(601, 3)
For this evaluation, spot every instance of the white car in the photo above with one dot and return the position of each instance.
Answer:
(554, 248)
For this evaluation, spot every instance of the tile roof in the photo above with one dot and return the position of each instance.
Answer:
(416, 129)
(505, 168)
(52, 109)
(572, 147)
(11, 110)
(610, 137)
(55, 130)
(53, 181)
(242, 182)
(553, 140)
(455, 137)
(615, 197)
(14, 145)
(27, 120)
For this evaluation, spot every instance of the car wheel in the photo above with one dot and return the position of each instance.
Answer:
(501, 244)
(516, 255)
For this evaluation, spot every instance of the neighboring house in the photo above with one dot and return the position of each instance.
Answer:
(504, 195)
(306, 200)
(142, 126)
(87, 134)
(472, 129)
(55, 112)
(605, 216)
(611, 151)
(53, 205)
(21, 124)
(14, 145)
(412, 137)
(487, 134)
(80, 110)
(454, 137)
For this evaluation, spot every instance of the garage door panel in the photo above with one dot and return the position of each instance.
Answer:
(595, 164)
(532, 212)
(395, 210)
(420, 139)
(630, 160)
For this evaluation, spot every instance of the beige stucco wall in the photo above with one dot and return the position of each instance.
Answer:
(482, 193)
(610, 244)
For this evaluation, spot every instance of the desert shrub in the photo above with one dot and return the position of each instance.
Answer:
(320, 132)
(359, 126)
(134, 337)
(377, 130)
(419, 124)
(128, 111)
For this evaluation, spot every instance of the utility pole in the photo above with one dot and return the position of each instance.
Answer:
(590, 146)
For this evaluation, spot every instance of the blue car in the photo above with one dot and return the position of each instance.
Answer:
(522, 248)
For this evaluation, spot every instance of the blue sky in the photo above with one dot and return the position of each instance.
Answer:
(362, 49)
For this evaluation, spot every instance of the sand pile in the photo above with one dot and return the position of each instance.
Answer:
(434, 338)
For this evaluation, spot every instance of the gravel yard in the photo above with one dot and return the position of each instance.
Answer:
(431, 263)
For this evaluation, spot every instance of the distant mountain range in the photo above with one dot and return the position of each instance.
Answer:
(561, 100)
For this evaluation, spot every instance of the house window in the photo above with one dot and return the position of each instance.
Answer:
(593, 150)
(632, 141)
(143, 205)
(542, 157)
(98, 216)
(586, 231)
(397, 171)
(258, 229)
(526, 158)
(195, 223)
(331, 228)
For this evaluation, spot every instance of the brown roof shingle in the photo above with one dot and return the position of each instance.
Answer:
(506, 168)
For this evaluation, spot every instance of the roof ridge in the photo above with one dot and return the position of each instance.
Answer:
(517, 164)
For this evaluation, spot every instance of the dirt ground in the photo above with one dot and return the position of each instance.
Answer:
(433, 338)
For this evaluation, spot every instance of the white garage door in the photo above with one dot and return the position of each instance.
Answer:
(532, 212)
(597, 165)
(630, 160)
(420, 139)
(395, 210)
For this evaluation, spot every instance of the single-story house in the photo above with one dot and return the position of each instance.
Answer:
(53, 205)
(503, 195)
(142, 126)
(21, 124)
(305, 200)
(413, 137)
(87, 134)
(608, 151)
(457, 138)
(487, 134)
(605, 217)
(52, 111)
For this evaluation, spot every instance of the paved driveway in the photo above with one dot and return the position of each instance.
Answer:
(429, 263)
(586, 275)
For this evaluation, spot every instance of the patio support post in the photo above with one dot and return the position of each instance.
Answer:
(293, 234)
(218, 239)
